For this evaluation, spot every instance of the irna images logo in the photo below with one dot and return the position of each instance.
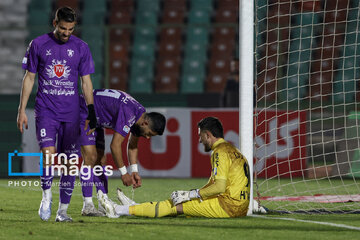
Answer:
(62, 164)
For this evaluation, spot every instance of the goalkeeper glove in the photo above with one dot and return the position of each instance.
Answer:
(91, 116)
(178, 197)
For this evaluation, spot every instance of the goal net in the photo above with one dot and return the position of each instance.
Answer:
(307, 117)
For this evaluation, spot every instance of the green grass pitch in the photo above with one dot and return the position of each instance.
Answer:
(19, 218)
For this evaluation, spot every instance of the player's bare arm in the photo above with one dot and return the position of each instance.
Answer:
(87, 89)
(132, 157)
(116, 151)
(27, 85)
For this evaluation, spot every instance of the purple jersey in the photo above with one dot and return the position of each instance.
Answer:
(59, 66)
(114, 109)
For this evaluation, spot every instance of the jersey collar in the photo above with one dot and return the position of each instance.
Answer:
(218, 142)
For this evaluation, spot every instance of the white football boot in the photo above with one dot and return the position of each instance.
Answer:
(91, 211)
(107, 204)
(45, 209)
(61, 216)
(124, 200)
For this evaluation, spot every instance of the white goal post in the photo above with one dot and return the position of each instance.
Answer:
(305, 120)
(246, 54)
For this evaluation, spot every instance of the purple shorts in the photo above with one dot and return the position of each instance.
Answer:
(97, 138)
(67, 134)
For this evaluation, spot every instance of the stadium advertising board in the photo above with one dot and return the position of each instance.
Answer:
(178, 152)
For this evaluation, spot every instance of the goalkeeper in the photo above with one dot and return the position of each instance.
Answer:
(225, 195)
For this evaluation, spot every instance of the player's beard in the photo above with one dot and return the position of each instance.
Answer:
(207, 147)
(63, 38)
(137, 130)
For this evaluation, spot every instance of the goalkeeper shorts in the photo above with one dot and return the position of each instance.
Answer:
(209, 208)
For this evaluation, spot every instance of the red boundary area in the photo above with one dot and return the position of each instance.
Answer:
(320, 198)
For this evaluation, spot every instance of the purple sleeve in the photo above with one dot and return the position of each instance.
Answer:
(127, 118)
(30, 60)
(86, 63)
(120, 125)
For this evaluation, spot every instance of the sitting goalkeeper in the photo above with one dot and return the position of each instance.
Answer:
(225, 195)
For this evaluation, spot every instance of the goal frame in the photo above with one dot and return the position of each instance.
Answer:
(246, 83)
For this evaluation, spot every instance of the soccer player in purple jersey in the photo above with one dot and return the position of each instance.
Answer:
(59, 58)
(119, 111)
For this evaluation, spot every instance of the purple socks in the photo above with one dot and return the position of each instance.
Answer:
(86, 179)
(101, 182)
(66, 188)
(47, 178)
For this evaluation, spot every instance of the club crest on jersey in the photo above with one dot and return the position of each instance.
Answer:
(126, 129)
(70, 52)
(58, 69)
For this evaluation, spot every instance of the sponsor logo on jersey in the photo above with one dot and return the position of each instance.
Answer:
(48, 52)
(126, 129)
(70, 52)
(131, 121)
(58, 69)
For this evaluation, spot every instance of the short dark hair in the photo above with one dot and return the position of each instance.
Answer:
(157, 122)
(66, 14)
(213, 125)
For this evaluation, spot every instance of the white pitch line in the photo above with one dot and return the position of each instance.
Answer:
(309, 221)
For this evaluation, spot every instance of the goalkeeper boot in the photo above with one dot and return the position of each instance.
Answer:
(91, 211)
(61, 216)
(102, 209)
(124, 200)
(257, 208)
(107, 204)
(45, 209)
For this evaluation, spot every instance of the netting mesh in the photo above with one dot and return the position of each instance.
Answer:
(307, 147)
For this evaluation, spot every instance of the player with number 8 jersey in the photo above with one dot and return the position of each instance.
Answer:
(60, 59)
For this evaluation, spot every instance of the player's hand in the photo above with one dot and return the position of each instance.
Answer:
(127, 180)
(178, 197)
(86, 126)
(136, 177)
(21, 120)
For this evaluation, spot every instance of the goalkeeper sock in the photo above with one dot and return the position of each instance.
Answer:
(86, 179)
(101, 182)
(153, 209)
(122, 210)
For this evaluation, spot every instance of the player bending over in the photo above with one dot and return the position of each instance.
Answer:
(118, 111)
(225, 195)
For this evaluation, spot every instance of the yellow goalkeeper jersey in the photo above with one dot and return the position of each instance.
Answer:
(229, 164)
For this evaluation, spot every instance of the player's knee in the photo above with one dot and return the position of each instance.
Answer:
(48, 153)
(179, 209)
(90, 157)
